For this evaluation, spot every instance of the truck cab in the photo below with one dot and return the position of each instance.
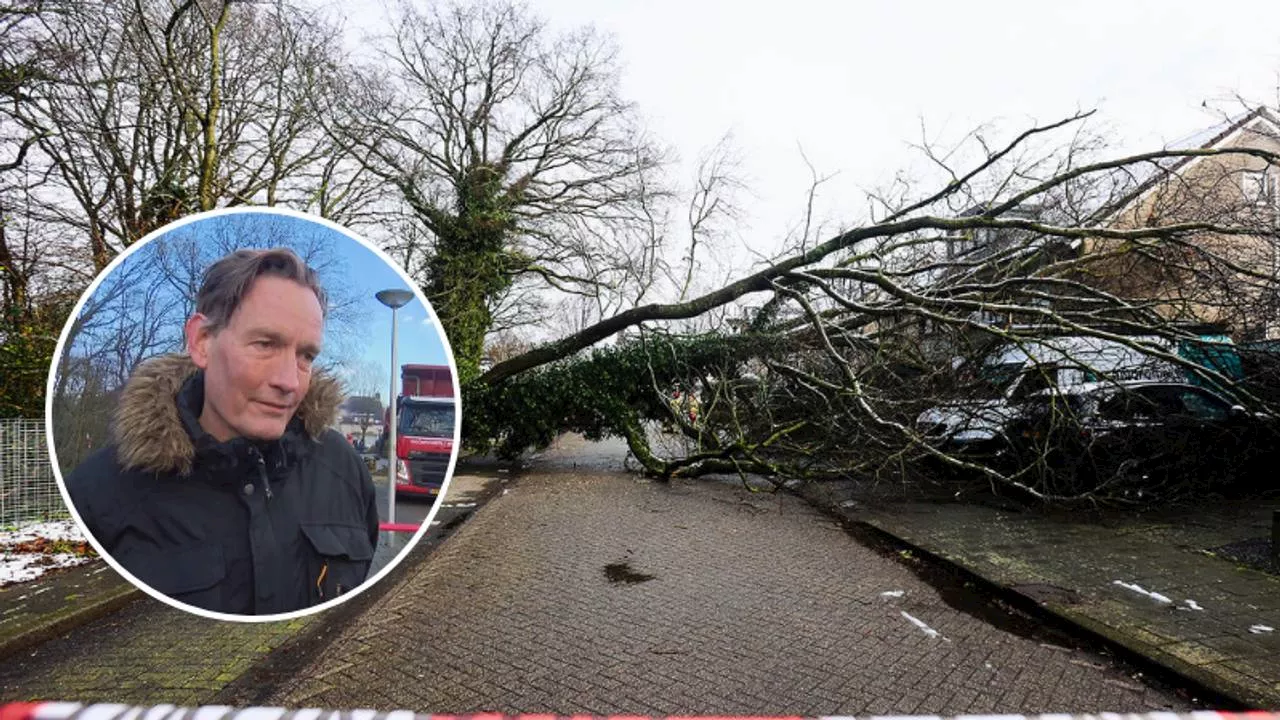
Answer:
(424, 443)
(426, 418)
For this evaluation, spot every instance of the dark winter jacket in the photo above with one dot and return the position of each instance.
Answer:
(240, 527)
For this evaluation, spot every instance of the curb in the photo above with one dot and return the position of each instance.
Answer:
(1209, 689)
(50, 626)
(1215, 691)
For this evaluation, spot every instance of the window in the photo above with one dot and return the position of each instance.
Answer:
(1258, 186)
(426, 420)
(1115, 408)
(959, 245)
(993, 380)
(970, 241)
(1069, 376)
(1204, 406)
(1141, 404)
(989, 317)
(1036, 380)
(1164, 402)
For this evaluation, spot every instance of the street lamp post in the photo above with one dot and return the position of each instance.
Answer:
(394, 299)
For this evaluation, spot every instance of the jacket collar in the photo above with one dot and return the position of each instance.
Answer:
(149, 428)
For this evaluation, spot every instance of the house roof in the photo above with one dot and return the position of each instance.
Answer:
(360, 404)
(1148, 174)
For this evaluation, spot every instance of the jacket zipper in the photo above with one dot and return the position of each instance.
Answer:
(262, 472)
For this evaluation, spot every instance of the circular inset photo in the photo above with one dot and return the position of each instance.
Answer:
(253, 414)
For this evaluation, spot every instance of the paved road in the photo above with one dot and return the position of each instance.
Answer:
(586, 590)
(150, 653)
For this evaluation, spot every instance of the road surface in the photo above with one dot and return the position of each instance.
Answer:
(584, 589)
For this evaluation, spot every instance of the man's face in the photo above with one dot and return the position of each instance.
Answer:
(258, 366)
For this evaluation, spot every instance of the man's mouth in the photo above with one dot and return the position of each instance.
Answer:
(274, 408)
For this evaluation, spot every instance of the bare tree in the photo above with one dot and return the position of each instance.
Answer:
(522, 166)
(365, 382)
(140, 112)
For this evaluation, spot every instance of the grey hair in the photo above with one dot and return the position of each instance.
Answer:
(228, 280)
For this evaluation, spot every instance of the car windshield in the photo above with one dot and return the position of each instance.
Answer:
(1204, 406)
(994, 380)
(1164, 401)
(433, 420)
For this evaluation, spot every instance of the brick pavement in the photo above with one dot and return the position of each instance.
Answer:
(1071, 565)
(35, 611)
(149, 652)
(756, 605)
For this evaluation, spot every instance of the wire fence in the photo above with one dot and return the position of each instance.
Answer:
(27, 488)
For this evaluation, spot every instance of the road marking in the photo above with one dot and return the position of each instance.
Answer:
(1135, 588)
(920, 624)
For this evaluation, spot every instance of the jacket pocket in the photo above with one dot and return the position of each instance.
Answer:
(183, 573)
(343, 554)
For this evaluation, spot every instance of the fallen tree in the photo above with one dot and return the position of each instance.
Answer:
(856, 338)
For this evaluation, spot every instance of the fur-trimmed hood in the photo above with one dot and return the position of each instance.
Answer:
(149, 431)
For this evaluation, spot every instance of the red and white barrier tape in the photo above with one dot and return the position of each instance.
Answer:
(76, 711)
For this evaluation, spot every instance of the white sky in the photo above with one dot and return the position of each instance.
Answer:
(850, 82)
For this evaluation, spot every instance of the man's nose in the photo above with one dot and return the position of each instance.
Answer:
(284, 373)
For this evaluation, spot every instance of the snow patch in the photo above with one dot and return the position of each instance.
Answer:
(1192, 605)
(1135, 588)
(925, 628)
(50, 530)
(1259, 629)
(893, 593)
(17, 568)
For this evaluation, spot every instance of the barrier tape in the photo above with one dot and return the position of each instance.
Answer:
(399, 527)
(76, 711)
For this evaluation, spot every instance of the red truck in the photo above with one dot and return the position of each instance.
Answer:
(425, 421)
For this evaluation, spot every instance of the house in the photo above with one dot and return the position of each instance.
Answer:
(982, 244)
(1202, 282)
(1222, 279)
(360, 417)
(1227, 279)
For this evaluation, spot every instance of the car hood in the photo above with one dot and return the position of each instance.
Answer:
(966, 421)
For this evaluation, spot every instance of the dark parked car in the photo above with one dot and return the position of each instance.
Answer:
(1141, 434)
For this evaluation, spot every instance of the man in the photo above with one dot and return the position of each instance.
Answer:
(223, 487)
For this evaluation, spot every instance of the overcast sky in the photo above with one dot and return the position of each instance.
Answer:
(851, 82)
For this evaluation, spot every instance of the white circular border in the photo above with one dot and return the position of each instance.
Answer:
(435, 507)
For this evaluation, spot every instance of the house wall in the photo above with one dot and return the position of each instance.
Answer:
(1204, 276)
